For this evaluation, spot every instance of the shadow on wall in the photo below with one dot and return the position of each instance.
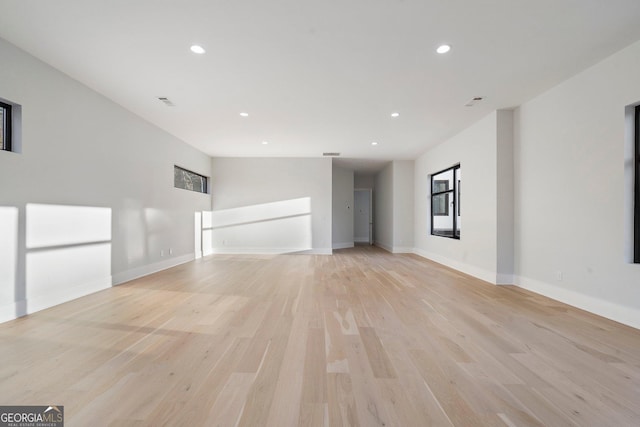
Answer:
(275, 227)
(67, 254)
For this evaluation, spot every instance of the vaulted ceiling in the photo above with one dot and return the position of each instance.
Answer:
(319, 76)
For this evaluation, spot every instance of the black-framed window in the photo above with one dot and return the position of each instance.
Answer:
(5, 126)
(636, 203)
(188, 180)
(445, 203)
(441, 204)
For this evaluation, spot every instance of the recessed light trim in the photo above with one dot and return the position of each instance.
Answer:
(197, 49)
(374, 143)
(265, 142)
(243, 114)
(394, 115)
(443, 48)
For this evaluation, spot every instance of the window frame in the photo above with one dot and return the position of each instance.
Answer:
(451, 194)
(446, 197)
(6, 126)
(636, 204)
(205, 179)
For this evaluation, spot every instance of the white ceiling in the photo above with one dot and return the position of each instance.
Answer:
(319, 76)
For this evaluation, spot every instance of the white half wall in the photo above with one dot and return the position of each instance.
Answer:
(270, 205)
(343, 200)
(89, 201)
(570, 235)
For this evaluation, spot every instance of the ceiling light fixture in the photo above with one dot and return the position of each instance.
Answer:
(197, 49)
(443, 48)
(374, 143)
(244, 114)
(265, 142)
(395, 115)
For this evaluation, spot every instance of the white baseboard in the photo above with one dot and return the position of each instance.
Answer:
(361, 239)
(31, 305)
(10, 311)
(402, 250)
(384, 246)
(626, 315)
(270, 251)
(471, 270)
(49, 300)
(505, 279)
(343, 245)
(145, 270)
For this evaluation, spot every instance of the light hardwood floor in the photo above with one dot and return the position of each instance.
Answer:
(362, 337)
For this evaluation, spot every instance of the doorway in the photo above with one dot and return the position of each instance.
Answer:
(363, 216)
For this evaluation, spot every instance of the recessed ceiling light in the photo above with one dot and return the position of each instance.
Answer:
(265, 142)
(244, 114)
(374, 143)
(395, 114)
(443, 48)
(197, 49)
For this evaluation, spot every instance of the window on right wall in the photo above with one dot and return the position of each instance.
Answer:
(445, 203)
(636, 202)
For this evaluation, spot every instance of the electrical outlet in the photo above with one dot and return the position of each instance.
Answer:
(170, 251)
(559, 276)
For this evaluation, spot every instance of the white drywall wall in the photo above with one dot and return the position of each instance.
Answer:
(505, 194)
(475, 150)
(92, 168)
(278, 187)
(403, 209)
(383, 208)
(343, 208)
(570, 190)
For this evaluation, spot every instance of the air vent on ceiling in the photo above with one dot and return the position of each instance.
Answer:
(473, 101)
(331, 154)
(166, 101)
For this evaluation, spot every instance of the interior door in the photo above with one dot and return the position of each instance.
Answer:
(363, 223)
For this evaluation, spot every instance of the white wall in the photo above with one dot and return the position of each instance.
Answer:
(362, 215)
(343, 208)
(364, 180)
(383, 208)
(476, 251)
(570, 190)
(505, 198)
(271, 205)
(94, 169)
(403, 208)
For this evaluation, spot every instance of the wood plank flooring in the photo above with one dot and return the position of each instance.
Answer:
(362, 337)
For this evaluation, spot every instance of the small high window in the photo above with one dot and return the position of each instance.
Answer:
(445, 203)
(5, 126)
(187, 180)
